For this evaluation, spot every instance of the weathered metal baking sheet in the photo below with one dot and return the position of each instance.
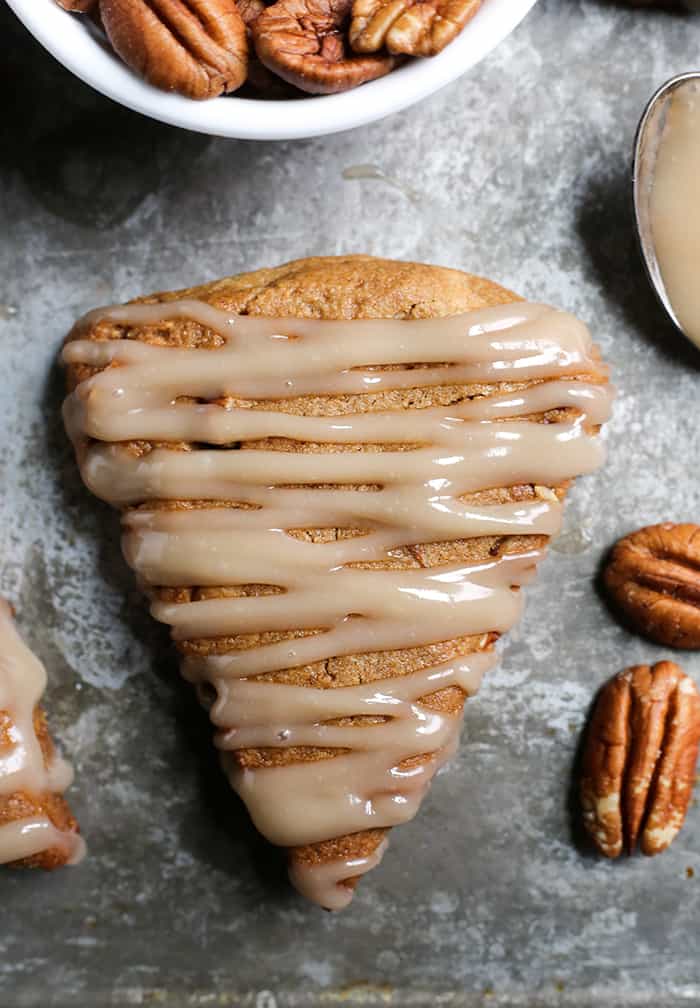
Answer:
(519, 171)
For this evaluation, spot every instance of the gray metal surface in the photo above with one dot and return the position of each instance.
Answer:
(519, 171)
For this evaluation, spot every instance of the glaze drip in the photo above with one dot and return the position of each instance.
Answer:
(23, 769)
(347, 595)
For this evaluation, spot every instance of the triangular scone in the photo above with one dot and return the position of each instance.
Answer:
(37, 829)
(334, 511)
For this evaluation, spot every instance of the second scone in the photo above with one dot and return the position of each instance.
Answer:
(334, 477)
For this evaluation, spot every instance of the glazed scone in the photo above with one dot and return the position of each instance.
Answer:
(37, 829)
(367, 604)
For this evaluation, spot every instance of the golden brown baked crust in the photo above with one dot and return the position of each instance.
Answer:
(24, 805)
(347, 287)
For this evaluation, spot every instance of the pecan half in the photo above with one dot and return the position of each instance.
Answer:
(303, 42)
(639, 759)
(250, 10)
(195, 47)
(411, 27)
(653, 578)
(259, 78)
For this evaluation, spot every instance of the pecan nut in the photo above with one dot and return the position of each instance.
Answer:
(260, 79)
(302, 41)
(653, 578)
(409, 27)
(250, 10)
(639, 759)
(195, 47)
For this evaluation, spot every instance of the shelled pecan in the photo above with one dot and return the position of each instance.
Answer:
(639, 759)
(653, 579)
(197, 48)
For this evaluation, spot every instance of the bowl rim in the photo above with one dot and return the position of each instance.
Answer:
(90, 58)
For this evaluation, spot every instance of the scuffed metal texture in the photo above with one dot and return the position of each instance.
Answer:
(519, 171)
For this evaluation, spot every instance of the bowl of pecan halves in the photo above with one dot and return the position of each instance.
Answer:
(261, 70)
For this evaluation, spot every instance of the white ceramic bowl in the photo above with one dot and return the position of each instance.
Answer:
(70, 39)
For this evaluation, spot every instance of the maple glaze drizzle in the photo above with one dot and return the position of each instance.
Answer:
(425, 460)
(23, 769)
